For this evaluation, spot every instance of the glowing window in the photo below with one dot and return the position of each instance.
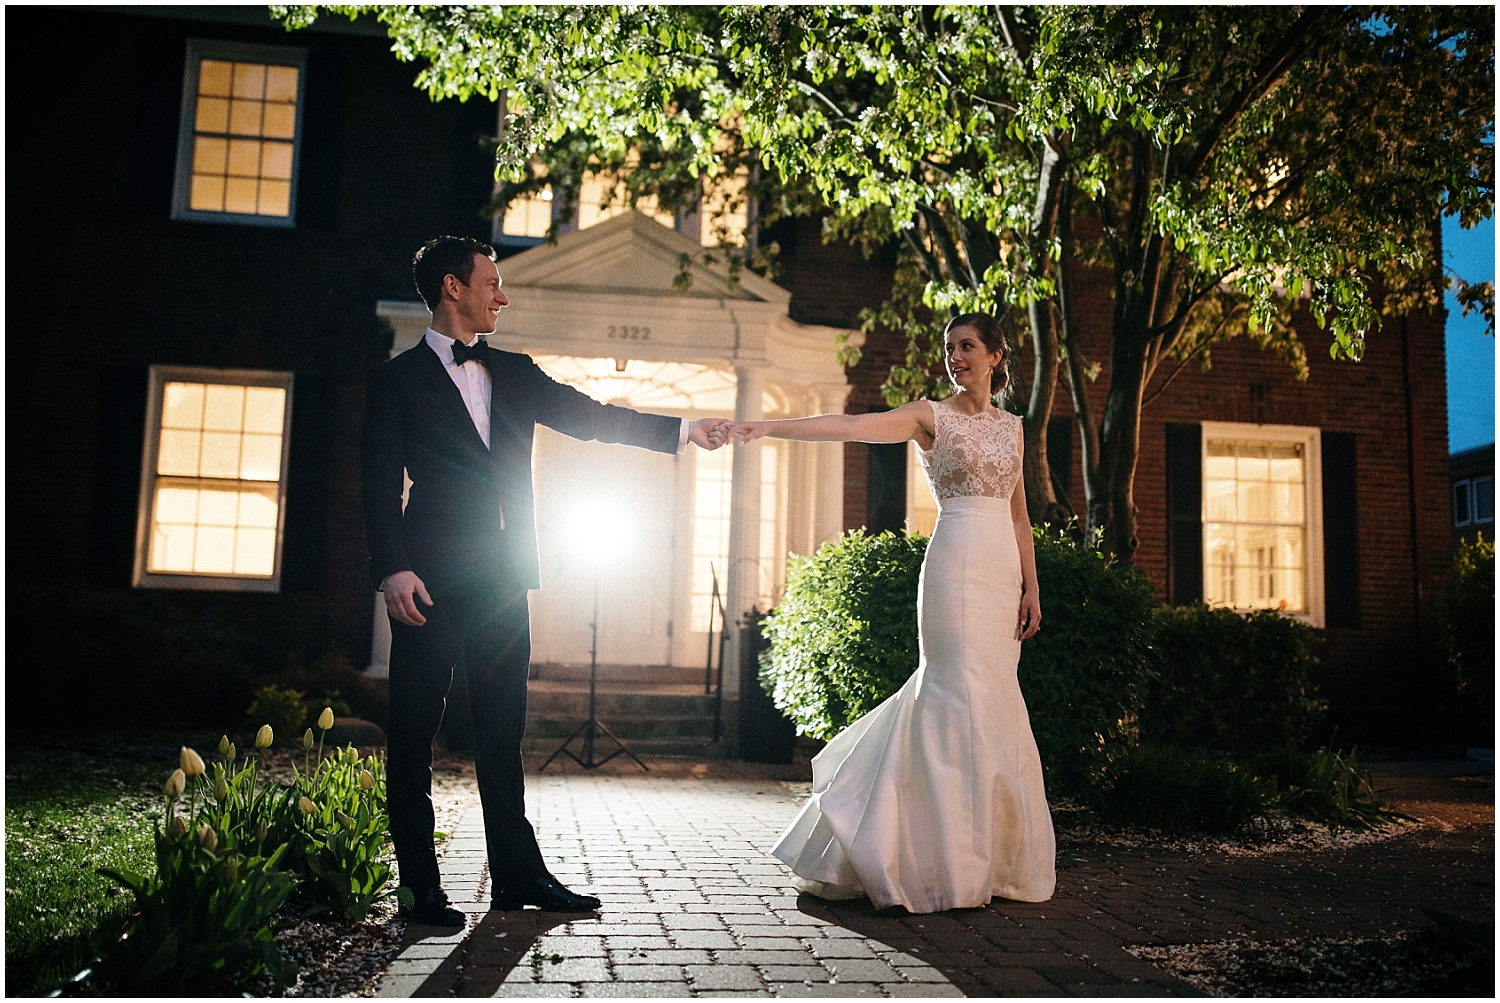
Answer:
(921, 506)
(725, 215)
(1261, 533)
(601, 197)
(711, 496)
(772, 526)
(528, 216)
(237, 151)
(214, 480)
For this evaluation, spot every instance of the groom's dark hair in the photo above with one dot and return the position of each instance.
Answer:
(443, 256)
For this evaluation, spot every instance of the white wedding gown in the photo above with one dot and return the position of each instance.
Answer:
(934, 799)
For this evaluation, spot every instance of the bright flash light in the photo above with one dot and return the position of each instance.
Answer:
(599, 530)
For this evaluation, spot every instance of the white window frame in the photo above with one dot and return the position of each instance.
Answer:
(199, 49)
(1311, 439)
(160, 376)
(1474, 483)
(1462, 487)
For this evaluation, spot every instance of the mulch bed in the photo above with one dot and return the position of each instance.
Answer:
(1406, 965)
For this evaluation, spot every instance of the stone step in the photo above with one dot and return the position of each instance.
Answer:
(571, 699)
(676, 675)
(652, 718)
(684, 747)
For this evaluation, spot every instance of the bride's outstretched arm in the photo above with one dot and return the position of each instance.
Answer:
(1029, 617)
(909, 421)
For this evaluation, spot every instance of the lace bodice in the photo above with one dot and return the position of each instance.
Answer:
(973, 454)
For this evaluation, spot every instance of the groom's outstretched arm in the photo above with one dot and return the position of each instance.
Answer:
(574, 413)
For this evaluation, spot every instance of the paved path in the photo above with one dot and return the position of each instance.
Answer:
(693, 905)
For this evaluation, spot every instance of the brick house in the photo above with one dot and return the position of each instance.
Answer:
(238, 205)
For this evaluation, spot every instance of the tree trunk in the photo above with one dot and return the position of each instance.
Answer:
(1041, 499)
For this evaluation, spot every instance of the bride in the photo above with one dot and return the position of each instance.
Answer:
(934, 799)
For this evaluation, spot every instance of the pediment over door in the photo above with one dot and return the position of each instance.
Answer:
(633, 255)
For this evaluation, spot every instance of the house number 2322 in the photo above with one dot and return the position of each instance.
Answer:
(628, 332)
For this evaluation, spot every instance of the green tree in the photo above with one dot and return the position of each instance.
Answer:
(1222, 163)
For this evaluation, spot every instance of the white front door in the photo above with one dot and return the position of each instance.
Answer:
(605, 513)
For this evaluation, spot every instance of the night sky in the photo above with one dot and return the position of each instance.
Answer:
(1471, 353)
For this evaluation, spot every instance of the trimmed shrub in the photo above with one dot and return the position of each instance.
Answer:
(845, 637)
(1177, 790)
(845, 634)
(1085, 673)
(1232, 683)
(1469, 637)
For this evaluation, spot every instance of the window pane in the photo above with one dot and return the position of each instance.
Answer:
(218, 507)
(240, 195)
(1220, 496)
(1484, 499)
(255, 552)
(227, 525)
(281, 84)
(280, 121)
(250, 80)
(244, 158)
(207, 193)
(224, 408)
(214, 549)
(177, 453)
(265, 409)
(1461, 512)
(258, 508)
(260, 458)
(171, 549)
(221, 455)
(244, 118)
(210, 155)
(213, 115)
(182, 405)
(176, 504)
(213, 77)
(275, 198)
(1253, 498)
(1255, 532)
(1286, 502)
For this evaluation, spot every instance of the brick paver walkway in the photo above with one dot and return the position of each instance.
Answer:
(694, 906)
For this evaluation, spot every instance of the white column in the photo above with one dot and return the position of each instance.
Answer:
(744, 522)
(829, 520)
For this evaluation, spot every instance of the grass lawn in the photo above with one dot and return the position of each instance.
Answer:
(66, 814)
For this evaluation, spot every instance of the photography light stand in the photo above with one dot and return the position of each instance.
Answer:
(590, 729)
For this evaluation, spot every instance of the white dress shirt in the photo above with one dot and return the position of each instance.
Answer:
(473, 382)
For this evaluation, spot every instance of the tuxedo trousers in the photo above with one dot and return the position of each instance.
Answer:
(485, 627)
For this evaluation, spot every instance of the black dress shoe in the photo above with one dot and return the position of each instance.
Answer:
(545, 893)
(432, 908)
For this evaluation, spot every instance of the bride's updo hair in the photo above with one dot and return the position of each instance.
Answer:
(992, 333)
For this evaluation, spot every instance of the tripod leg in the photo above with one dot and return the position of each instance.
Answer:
(622, 748)
(563, 750)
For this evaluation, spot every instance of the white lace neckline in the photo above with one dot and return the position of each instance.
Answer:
(972, 458)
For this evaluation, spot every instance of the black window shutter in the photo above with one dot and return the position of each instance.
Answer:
(1184, 513)
(307, 487)
(1340, 532)
(885, 505)
(119, 438)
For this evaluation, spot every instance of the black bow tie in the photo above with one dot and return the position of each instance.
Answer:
(463, 353)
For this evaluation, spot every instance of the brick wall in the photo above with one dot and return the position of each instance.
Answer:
(1383, 679)
(103, 284)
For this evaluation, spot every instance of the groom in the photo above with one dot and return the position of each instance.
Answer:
(456, 560)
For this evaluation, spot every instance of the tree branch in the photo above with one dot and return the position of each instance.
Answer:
(1272, 67)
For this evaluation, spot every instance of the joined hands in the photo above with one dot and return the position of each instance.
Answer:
(709, 433)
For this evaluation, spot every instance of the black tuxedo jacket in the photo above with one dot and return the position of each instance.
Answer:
(451, 532)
